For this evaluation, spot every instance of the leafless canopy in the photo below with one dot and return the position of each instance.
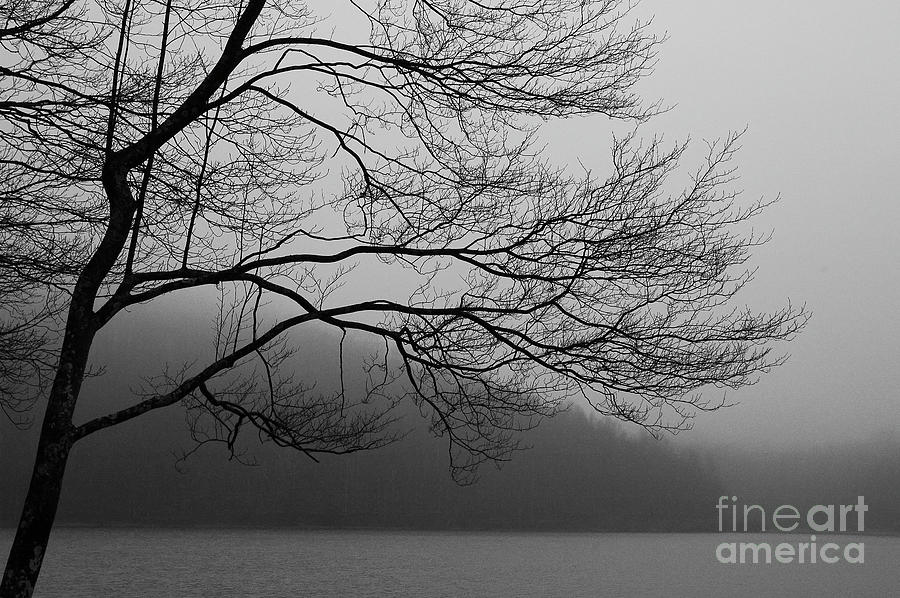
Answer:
(287, 154)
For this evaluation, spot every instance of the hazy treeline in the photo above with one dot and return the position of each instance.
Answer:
(582, 473)
(825, 474)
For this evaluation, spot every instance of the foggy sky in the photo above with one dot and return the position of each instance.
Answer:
(816, 83)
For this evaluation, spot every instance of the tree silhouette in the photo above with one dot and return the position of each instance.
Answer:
(250, 149)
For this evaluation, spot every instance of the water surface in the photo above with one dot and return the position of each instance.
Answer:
(126, 563)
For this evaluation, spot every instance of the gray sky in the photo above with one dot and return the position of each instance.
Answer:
(817, 83)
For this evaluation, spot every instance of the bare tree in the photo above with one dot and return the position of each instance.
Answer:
(154, 147)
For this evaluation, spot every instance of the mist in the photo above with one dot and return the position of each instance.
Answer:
(581, 473)
(577, 472)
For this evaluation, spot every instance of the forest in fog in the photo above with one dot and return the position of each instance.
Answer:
(582, 473)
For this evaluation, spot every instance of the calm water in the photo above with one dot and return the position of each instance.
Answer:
(176, 563)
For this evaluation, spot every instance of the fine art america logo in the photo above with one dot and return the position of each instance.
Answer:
(788, 518)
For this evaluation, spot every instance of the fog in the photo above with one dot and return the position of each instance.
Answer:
(812, 83)
(580, 472)
(815, 84)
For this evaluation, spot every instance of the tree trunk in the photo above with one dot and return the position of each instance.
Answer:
(57, 437)
(58, 433)
(30, 544)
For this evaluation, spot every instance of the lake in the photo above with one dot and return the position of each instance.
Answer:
(139, 562)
